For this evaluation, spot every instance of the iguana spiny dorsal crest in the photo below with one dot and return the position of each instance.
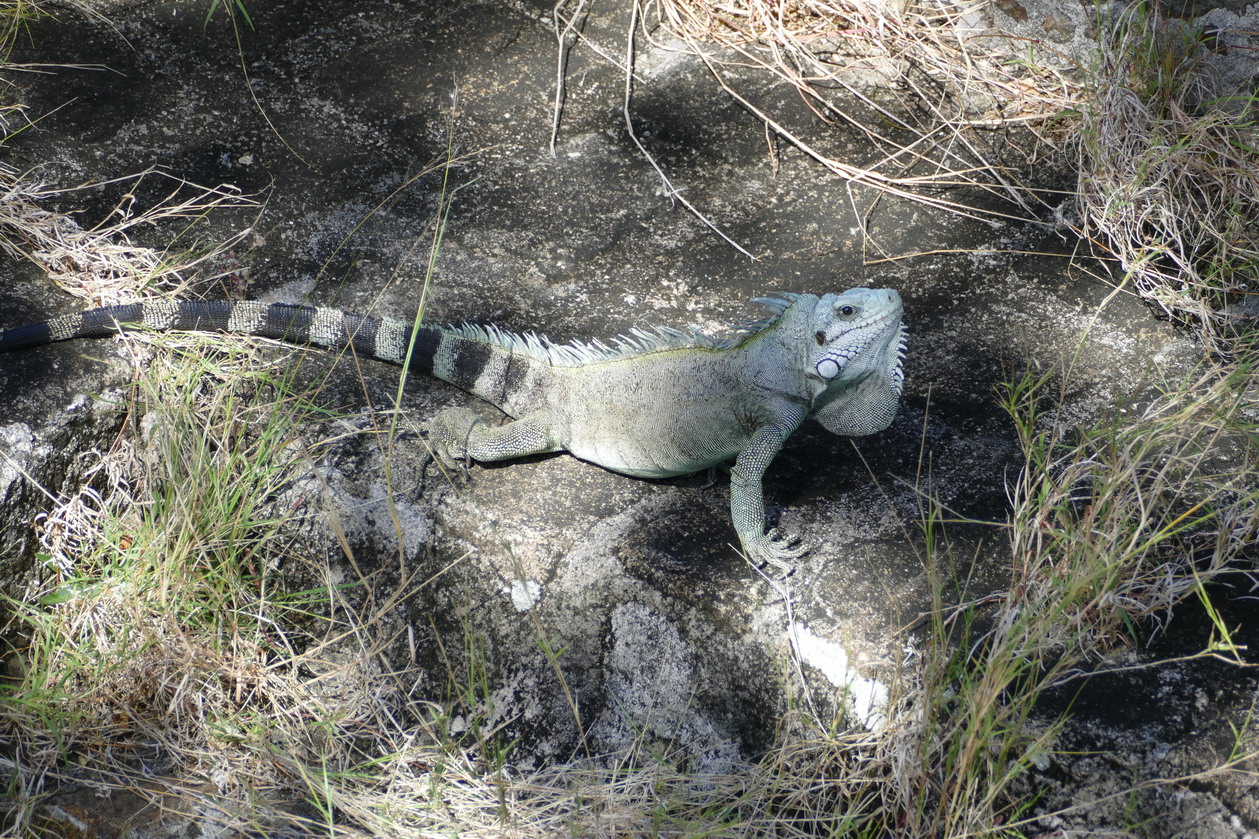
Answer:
(652, 404)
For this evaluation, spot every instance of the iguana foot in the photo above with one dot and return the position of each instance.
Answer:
(449, 433)
(775, 549)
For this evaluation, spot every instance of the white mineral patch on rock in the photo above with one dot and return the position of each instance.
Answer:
(525, 594)
(869, 696)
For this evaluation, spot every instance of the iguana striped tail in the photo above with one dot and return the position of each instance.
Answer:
(479, 364)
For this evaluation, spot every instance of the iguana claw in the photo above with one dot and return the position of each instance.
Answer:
(775, 548)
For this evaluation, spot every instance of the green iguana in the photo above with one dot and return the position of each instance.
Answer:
(653, 404)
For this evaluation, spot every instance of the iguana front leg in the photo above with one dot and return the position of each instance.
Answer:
(747, 501)
(457, 434)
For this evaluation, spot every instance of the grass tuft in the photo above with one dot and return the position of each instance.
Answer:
(1169, 176)
(176, 641)
(1116, 523)
(102, 264)
(1112, 525)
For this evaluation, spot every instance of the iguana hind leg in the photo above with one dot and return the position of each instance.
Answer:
(459, 434)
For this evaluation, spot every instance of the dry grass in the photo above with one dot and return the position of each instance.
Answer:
(803, 790)
(1116, 523)
(1168, 165)
(103, 264)
(1112, 525)
(920, 82)
(158, 640)
(1169, 176)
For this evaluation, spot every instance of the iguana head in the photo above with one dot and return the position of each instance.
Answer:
(856, 343)
(855, 334)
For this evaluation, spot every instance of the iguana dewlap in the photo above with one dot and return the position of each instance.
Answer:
(652, 404)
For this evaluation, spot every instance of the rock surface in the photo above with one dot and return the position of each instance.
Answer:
(668, 633)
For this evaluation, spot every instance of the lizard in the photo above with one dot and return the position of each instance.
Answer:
(654, 403)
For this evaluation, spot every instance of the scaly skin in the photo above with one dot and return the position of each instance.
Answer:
(655, 404)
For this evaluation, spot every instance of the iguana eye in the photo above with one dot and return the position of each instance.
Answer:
(847, 311)
(820, 337)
